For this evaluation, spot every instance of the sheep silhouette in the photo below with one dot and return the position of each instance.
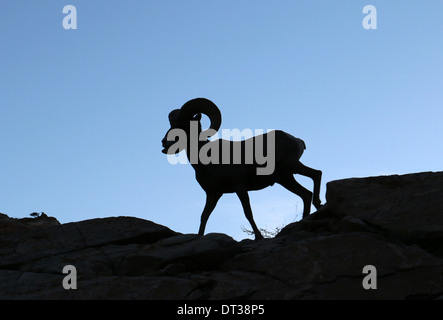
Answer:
(225, 174)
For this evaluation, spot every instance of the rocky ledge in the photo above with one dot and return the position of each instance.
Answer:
(393, 223)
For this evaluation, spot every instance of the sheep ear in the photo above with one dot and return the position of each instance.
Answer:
(197, 117)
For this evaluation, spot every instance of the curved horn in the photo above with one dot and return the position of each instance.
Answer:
(205, 106)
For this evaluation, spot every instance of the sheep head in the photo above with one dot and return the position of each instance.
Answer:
(192, 111)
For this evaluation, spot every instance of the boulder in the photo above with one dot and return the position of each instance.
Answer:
(20, 247)
(181, 253)
(392, 223)
(305, 268)
(407, 206)
(8, 224)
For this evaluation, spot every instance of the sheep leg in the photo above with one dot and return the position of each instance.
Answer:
(244, 198)
(315, 175)
(292, 185)
(211, 202)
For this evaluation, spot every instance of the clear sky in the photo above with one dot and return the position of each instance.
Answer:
(82, 112)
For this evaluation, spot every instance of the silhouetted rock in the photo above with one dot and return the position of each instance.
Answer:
(181, 253)
(11, 225)
(19, 247)
(393, 223)
(408, 206)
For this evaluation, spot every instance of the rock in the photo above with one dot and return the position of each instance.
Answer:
(12, 225)
(29, 286)
(240, 285)
(352, 224)
(20, 247)
(190, 252)
(393, 223)
(303, 265)
(408, 206)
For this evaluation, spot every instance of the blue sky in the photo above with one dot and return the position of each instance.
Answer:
(83, 111)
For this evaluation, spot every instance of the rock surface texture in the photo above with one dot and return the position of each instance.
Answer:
(394, 223)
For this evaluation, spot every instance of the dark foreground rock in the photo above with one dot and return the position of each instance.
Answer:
(394, 223)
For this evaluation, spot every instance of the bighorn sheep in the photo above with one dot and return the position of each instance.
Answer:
(225, 174)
